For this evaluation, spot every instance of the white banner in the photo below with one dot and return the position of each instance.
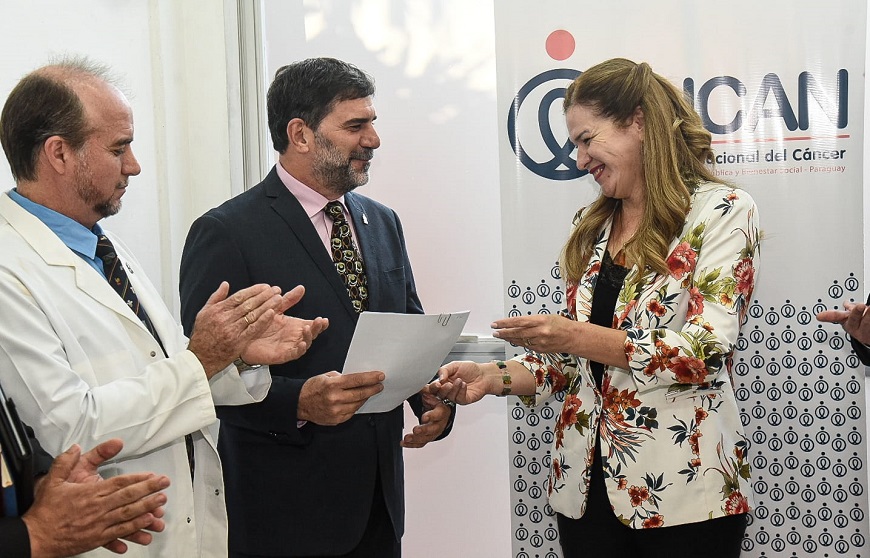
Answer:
(780, 85)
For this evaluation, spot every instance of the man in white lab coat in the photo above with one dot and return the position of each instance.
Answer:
(84, 362)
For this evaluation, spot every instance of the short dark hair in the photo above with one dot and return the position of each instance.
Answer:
(309, 90)
(44, 104)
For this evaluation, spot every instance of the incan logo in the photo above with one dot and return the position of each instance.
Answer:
(561, 166)
(834, 104)
(835, 107)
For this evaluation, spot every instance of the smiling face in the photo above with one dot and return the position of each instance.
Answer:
(612, 154)
(344, 143)
(105, 162)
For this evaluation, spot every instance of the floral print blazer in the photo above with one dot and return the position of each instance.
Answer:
(672, 442)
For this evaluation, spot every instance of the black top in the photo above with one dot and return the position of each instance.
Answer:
(604, 295)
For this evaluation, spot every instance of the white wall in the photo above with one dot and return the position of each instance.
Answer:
(31, 32)
(171, 56)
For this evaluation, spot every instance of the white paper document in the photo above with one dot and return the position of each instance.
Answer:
(407, 348)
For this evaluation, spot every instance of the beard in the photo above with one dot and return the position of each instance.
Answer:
(91, 195)
(335, 171)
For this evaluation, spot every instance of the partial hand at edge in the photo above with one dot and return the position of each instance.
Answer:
(853, 318)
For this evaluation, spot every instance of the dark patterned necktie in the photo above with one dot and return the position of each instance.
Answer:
(117, 277)
(348, 261)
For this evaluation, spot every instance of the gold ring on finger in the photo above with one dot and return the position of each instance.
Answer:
(247, 319)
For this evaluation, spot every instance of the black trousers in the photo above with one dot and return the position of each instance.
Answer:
(599, 534)
(379, 539)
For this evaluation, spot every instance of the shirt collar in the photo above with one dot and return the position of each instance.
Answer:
(76, 236)
(312, 202)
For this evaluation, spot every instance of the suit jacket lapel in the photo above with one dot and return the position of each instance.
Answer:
(292, 213)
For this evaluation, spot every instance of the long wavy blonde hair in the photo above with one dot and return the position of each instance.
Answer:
(676, 158)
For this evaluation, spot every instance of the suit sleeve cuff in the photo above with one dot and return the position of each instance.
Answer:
(14, 537)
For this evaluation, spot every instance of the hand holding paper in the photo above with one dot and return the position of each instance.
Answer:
(464, 382)
(408, 348)
(332, 398)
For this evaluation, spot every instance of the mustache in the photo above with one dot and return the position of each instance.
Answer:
(363, 154)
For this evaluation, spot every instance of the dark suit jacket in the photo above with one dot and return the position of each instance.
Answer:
(14, 538)
(301, 490)
(860, 349)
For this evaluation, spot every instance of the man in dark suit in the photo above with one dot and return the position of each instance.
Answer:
(856, 322)
(305, 476)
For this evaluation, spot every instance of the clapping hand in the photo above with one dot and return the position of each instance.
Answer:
(286, 338)
(75, 510)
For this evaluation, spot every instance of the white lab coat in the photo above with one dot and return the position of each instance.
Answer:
(81, 368)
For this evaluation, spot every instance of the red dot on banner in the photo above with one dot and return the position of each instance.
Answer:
(560, 44)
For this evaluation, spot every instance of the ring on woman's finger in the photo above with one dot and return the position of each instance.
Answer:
(248, 320)
(529, 342)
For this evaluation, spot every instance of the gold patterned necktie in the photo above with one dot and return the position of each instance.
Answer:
(348, 261)
(117, 277)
